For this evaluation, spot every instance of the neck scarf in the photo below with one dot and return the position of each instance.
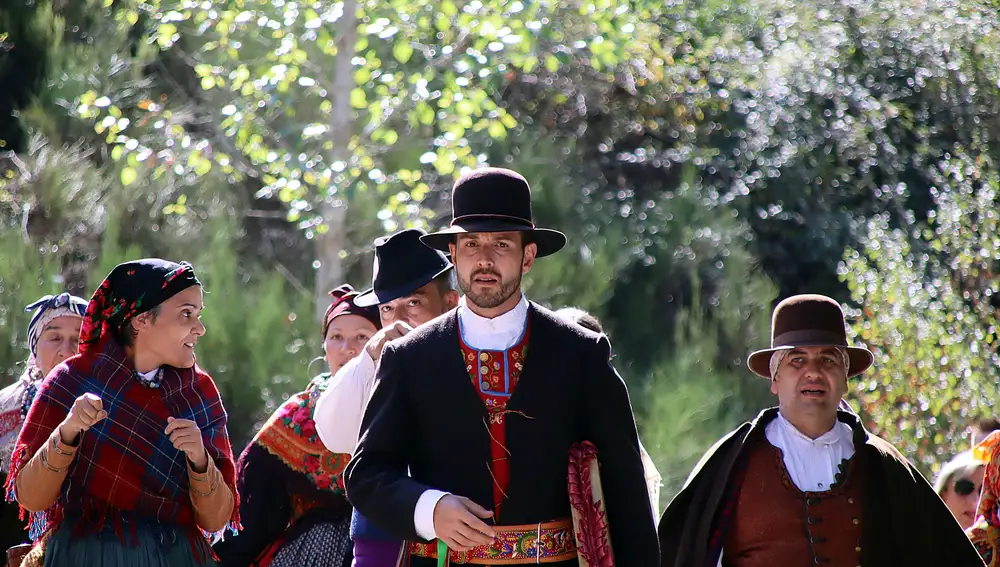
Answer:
(126, 469)
(343, 304)
(290, 435)
(985, 532)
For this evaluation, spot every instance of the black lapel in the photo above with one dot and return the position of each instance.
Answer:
(538, 329)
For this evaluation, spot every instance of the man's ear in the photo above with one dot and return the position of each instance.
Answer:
(530, 251)
(451, 298)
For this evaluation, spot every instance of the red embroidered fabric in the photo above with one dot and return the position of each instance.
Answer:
(494, 375)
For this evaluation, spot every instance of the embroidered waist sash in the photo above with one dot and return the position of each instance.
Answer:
(525, 544)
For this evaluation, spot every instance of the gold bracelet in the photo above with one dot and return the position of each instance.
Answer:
(45, 463)
(211, 489)
(55, 447)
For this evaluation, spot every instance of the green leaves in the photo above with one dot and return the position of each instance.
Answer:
(128, 176)
(429, 71)
(402, 51)
(926, 311)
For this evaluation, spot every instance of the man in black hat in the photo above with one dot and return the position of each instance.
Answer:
(411, 284)
(483, 406)
(804, 483)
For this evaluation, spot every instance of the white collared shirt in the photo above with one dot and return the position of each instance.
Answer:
(151, 375)
(811, 463)
(499, 333)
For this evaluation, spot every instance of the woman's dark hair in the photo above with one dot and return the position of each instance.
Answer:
(126, 336)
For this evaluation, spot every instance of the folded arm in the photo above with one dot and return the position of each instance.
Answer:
(211, 498)
(40, 480)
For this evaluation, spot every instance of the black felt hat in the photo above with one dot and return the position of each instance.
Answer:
(492, 199)
(402, 266)
(809, 320)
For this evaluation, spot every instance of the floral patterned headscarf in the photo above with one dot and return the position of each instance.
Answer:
(131, 289)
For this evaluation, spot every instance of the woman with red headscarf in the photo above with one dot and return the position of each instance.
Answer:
(124, 459)
(294, 509)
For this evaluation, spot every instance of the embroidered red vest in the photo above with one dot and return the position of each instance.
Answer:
(775, 523)
(495, 374)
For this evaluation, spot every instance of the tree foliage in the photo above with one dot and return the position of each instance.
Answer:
(927, 310)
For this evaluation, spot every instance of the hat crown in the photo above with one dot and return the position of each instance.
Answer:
(401, 259)
(492, 192)
(804, 319)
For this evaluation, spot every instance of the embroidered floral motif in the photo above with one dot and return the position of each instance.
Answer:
(590, 519)
(290, 434)
(514, 545)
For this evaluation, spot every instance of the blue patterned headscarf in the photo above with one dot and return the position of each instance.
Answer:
(48, 308)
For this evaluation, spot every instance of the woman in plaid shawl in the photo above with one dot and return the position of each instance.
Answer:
(293, 507)
(124, 457)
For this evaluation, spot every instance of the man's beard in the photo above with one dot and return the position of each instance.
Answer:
(486, 299)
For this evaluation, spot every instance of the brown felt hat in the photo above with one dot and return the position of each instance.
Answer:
(809, 320)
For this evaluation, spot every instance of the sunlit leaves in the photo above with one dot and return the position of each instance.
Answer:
(927, 312)
(428, 72)
(128, 176)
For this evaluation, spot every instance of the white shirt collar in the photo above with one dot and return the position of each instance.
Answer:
(499, 333)
(148, 376)
(839, 433)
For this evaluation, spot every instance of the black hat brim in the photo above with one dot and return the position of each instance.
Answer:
(861, 359)
(378, 297)
(547, 240)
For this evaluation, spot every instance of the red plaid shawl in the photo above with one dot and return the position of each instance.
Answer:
(125, 463)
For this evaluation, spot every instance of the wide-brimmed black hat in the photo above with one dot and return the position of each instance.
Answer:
(809, 320)
(492, 199)
(402, 266)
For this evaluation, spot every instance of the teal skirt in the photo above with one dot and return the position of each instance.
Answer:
(151, 547)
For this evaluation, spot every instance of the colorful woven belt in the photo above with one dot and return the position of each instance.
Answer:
(526, 544)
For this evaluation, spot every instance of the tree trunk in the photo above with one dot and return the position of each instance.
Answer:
(332, 207)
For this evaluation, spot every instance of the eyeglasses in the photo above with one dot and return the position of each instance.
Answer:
(965, 487)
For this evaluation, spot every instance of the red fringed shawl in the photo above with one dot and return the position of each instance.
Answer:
(125, 464)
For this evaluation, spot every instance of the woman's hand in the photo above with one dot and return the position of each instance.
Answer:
(186, 436)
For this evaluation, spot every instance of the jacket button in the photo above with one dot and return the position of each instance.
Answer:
(850, 501)
(856, 522)
(858, 549)
(812, 501)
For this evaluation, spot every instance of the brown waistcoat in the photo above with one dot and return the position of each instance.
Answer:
(775, 524)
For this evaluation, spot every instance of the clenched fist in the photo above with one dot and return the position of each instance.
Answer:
(87, 410)
(386, 334)
(186, 436)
